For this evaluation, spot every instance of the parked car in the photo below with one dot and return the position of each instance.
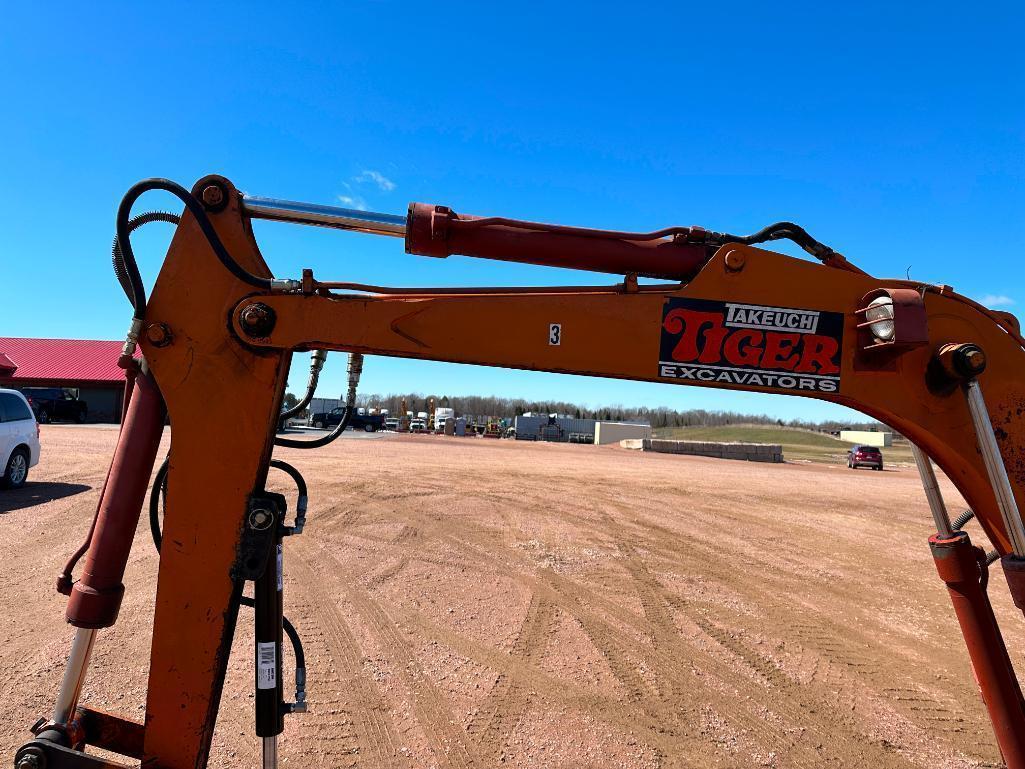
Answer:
(391, 423)
(19, 439)
(370, 423)
(865, 456)
(55, 404)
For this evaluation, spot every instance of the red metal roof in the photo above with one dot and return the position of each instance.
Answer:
(79, 360)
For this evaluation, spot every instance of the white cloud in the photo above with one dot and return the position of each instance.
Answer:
(353, 201)
(996, 300)
(375, 177)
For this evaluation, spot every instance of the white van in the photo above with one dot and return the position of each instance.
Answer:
(19, 439)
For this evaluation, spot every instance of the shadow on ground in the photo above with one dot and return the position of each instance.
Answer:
(37, 493)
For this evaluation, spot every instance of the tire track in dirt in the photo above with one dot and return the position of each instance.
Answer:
(784, 696)
(665, 716)
(479, 542)
(846, 653)
(494, 722)
(609, 708)
(432, 713)
(388, 573)
(408, 535)
(840, 725)
(364, 727)
(664, 706)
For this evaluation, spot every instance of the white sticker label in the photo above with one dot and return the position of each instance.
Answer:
(280, 572)
(266, 665)
(555, 334)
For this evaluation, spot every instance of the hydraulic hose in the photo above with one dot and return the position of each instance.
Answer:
(159, 491)
(780, 231)
(317, 360)
(157, 494)
(195, 207)
(355, 370)
(118, 257)
(301, 502)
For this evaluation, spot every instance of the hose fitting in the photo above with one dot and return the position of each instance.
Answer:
(355, 370)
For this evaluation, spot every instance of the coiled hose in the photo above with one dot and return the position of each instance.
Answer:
(117, 257)
(124, 256)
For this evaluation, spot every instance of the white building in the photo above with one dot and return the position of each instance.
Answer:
(867, 437)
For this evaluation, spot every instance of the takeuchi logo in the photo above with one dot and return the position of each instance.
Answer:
(740, 344)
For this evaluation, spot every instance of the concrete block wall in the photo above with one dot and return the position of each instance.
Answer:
(751, 452)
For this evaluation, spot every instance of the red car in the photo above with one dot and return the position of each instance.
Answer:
(865, 456)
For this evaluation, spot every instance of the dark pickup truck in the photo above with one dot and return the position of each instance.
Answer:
(53, 404)
(370, 423)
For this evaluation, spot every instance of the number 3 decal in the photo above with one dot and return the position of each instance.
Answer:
(555, 334)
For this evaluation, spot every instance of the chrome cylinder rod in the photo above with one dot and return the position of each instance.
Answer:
(932, 492)
(74, 676)
(995, 468)
(270, 752)
(324, 216)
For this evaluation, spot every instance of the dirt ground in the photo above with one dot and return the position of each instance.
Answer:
(476, 603)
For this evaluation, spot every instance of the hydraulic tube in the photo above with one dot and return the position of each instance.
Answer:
(995, 468)
(932, 492)
(438, 231)
(270, 711)
(324, 216)
(96, 596)
(957, 562)
(668, 254)
(74, 676)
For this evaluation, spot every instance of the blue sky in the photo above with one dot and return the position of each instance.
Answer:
(893, 132)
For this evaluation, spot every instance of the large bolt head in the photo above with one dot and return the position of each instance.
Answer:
(735, 261)
(213, 196)
(257, 319)
(260, 519)
(158, 334)
(975, 360)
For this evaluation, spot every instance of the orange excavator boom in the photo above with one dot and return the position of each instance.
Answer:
(217, 336)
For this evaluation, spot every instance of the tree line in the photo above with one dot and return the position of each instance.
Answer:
(660, 416)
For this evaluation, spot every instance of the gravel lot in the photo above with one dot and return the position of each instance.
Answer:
(476, 603)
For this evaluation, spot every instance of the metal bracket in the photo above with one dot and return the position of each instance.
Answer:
(42, 754)
(264, 514)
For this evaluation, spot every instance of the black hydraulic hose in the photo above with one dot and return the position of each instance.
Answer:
(297, 644)
(323, 440)
(138, 291)
(118, 258)
(961, 520)
(301, 502)
(300, 661)
(160, 489)
(355, 369)
(156, 494)
(778, 231)
(300, 482)
(317, 360)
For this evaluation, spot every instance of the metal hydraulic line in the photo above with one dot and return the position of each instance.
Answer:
(932, 492)
(995, 468)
